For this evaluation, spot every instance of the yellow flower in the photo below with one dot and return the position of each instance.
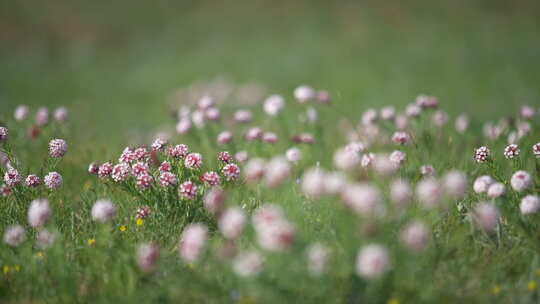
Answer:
(6, 269)
(140, 222)
(393, 301)
(17, 268)
(496, 290)
(91, 242)
(40, 254)
(123, 228)
(532, 285)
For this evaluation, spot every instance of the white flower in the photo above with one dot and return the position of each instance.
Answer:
(364, 199)
(416, 236)
(103, 210)
(496, 190)
(482, 183)
(313, 182)
(232, 222)
(273, 105)
(277, 171)
(192, 242)
(345, 159)
(147, 256)
(248, 264)
(39, 212)
(401, 192)
(304, 93)
(521, 180)
(14, 235)
(429, 192)
(293, 155)
(372, 261)
(455, 183)
(317, 257)
(486, 216)
(530, 204)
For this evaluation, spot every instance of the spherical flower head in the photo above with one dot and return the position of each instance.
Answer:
(211, 178)
(103, 210)
(439, 119)
(314, 182)
(254, 134)
(293, 155)
(429, 192)
(277, 236)
(254, 169)
(324, 97)
(93, 168)
(45, 239)
(21, 112)
(304, 138)
(486, 217)
(401, 138)
(32, 180)
(511, 151)
(496, 190)
(198, 118)
(481, 154)
(53, 180)
(521, 180)
(192, 242)
(462, 123)
(243, 116)
(455, 183)
(225, 157)
(5, 190)
(345, 159)
(397, 157)
(530, 204)
(4, 133)
(427, 170)
(401, 121)
(536, 150)
(231, 171)
(334, 182)
(317, 257)
(167, 179)
(304, 93)
(384, 166)
(367, 159)
(143, 212)
(413, 110)
(193, 161)
(57, 148)
(267, 215)
(14, 235)
(159, 144)
(127, 156)
(270, 137)
(42, 116)
(179, 151)
(105, 170)
(388, 113)
(241, 156)
(61, 114)
(273, 105)
(401, 192)
(427, 102)
(416, 236)
(206, 102)
(482, 183)
(364, 199)
(121, 172)
(12, 177)
(369, 117)
(183, 126)
(39, 212)
(372, 261)
(231, 223)
(355, 147)
(188, 190)
(141, 154)
(224, 137)
(147, 256)
(144, 181)
(248, 264)
(277, 170)
(214, 200)
(527, 112)
(139, 168)
(212, 114)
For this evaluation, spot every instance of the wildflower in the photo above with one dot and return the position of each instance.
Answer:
(231, 222)
(439, 118)
(247, 264)
(324, 97)
(304, 93)
(12, 177)
(482, 183)
(178, 151)
(293, 155)
(384, 166)
(243, 116)
(192, 242)
(120, 172)
(277, 236)
(144, 181)
(14, 235)
(39, 212)
(369, 117)
(183, 126)
(91, 242)
(401, 121)
(165, 167)
(364, 199)
(225, 157)
(139, 222)
(429, 192)
(212, 114)
(93, 168)
(401, 192)
(496, 290)
(536, 150)
(214, 200)
(455, 183)
(193, 161)
(427, 102)
(5, 190)
(105, 170)
(413, 110)
(273, 105)
(122, 228)
(427, 170)
(188, 190)
(53, 180)
(159, 144)
(305, 138)
(21, 112)
(317, 258)
(32, 180)
(276, 171)
(521, 180)
(139, 168)
(462, 123)
(511, 151)
(311, 115)
(527, 112)
(167, 179)
(147, 256)
(269, 137)
(42, 116)
(334, 182)
(61, 114)
(346, 160)
(313, 182)
(103, 210)
(367, 159)
(205, 102)
(372, 261)
(4, 133)
(481, 154)
(401, 138)
(254, 169)
(224, 137)
(496, 190)
(397, 157)
(45, 239)
(388, 113)
(143, 212)
(231, 171)
(197, 117)
(486, 216)
(57, 148)
(211, 178)
(241, 156)
(532, 285)
(253, 133)
(530, 204)
(416, 236)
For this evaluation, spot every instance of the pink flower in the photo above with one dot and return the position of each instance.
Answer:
(243, 116)
(527, 112)
(14, 235)
(93, 168)
(364, 199)
(21, 112)
(103, 210)
(159, 144)
(273, 105)
(270, 137)
(33, 180)
(439, 118)
(304, 93)
(214, 200)
(536, 150)
(530, 204)
(61, 114)
(42, 116)
(105, 170)
(324, 97)
(167, 179)
(127, 156)
(183, 126)
(144, 181)
(455, 183)
(231, 171)
(511, 151)
(231, 223)
(211, 178)
(397, 157)
(39, 212)
(143, 212)
(496, 190)
(188, 190)
(317, 258)
(12, 177)
(253, 133)
(388, 113)
(429, 192)
(141, 154)
(225, 157)
(121, 172)
(277, 171)
(147, 256)
(241, 156)
(139, 168)
(277, 236)
(482, 183)
(401, 192)
(401, 138)
(416, 236)
(45, 239)
(212, 114)
(462, 123)
(293, 155)
(427, 102)
(205, 102)
(5, 190)
(372, 261)
(192, 242)
(413, 110)
(53, 180)
(481, 154)
(254, 169)
(521, 180)
(4, 133)
(427, 170)
(178, 151)
(193, 161)
(345, 159)
(57, 148)
(247, 264)
(486, 216)
(314, 182)
(224, 137)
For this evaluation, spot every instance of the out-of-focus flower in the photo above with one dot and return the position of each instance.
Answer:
(276, 171)
(439, 118)
(243, 116)
(42, 116)
(206, 102)
(293, 155)
(364, 199)
(304, 93)
(496, 190)
(530, 204)
(429, 192)
(143, 212)
(193, 161)
(416, 236)
(183, 126)
(93, 168)
(388, 113)
(427, 170)
(5, 190)
(345, 159)
(188, 190)
(521, 180)
(198, 118)
(254, 169)
(482, 183)
(214, 200)
(241, 156)
(397, 157)
(536, 150)
(103, 210)
(367, 159)
(511, 151)
(455, 183)
(314, 182)
(427, 102)
(53, 180)
(334, 182)
(401, 138)
(21, 112)
(61, 114)
(384, 166)
(269, 137)
(254, 133)
(192, 242)
(147, 256)
(273, 105)
(372, 261)
(225, 157)
(224, 137)
(247, 264)
(45, 238)
(369, 117)
(39, 212)
(324, 97)
(486, 216)
(317, 258)
(462, 123)
(527, 112)
(231, 223)
(481, 154)
(212, 114)
(32, 180)
(159, 144)
(14, 235)
(413, 110)
(401, 192)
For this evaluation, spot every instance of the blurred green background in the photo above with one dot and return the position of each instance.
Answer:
(113, 63)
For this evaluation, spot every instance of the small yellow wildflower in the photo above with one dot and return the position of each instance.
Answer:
(393, 301)
(123, 228)
(91, 242)
(17, 268)
(6, 269)
(140, 222)
(496, 290)
(532, 285)
(40, 254)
